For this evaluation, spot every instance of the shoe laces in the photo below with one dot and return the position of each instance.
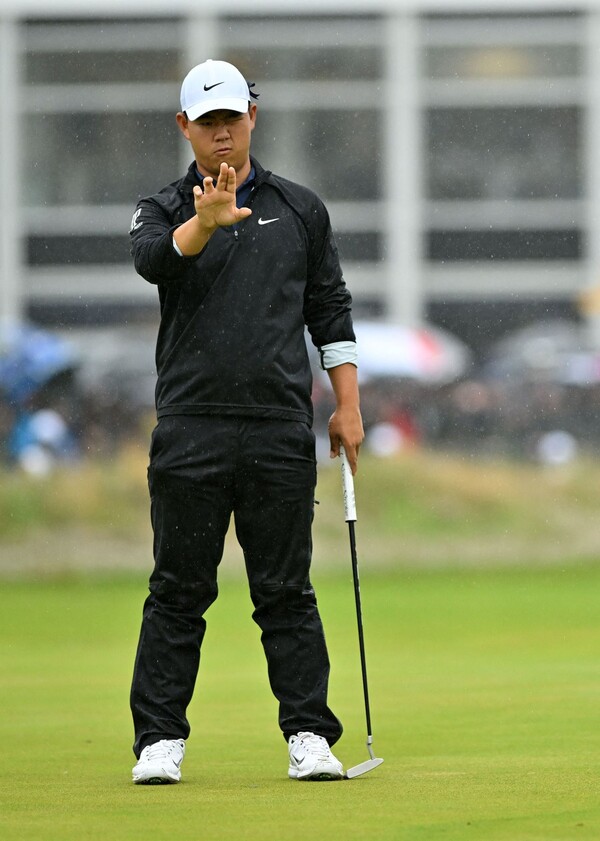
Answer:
(163, 748)
(317, 745)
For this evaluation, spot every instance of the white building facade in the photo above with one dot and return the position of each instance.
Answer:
(455, 145)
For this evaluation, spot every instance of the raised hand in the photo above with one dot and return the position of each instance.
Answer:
(215, 206)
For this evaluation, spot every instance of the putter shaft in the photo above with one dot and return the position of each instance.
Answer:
(361, 636)
(350, 516)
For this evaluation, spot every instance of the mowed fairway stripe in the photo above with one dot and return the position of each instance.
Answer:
(485, 693)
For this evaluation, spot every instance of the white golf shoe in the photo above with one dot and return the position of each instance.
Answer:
(311, 759)
(160, 763)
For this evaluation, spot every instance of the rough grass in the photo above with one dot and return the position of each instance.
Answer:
(436, 509)
(108, 495)
(484, 689)
(422, 509)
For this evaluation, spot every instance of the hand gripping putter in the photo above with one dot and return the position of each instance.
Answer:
(350, 516)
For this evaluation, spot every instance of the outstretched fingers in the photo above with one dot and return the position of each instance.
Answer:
(226, 179)
(231, 179)
(215, 202)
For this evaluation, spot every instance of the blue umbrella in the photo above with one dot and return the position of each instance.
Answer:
(29, 359)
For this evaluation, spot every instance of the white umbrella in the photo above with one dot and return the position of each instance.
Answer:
(425, 353)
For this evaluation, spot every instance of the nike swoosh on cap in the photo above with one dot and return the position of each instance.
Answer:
(210, 87)
(268, 221)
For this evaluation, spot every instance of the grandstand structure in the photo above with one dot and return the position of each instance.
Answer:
(454, 143)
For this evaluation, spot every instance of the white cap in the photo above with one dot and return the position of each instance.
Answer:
(214, 86)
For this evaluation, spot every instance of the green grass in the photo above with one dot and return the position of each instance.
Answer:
(485, 693)
(419, 510)
(99, 495)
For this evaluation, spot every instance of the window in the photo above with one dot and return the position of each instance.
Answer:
(337, 153)
(102, 66)
(503, 61)
(504, 153)
(516, 245)
(98, 159)
(309, 63)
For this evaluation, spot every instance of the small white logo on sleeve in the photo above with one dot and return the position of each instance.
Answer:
(268, 221)
(134, 221)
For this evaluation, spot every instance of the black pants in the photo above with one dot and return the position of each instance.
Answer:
(202, 469)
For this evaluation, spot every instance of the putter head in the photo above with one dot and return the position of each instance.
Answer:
(363, 768)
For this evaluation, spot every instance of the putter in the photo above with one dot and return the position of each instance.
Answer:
(350, 516)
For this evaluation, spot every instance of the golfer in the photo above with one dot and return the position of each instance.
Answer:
(243, 261)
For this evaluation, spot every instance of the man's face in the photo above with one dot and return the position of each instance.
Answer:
(219, 136)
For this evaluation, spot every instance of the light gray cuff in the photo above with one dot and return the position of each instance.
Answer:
(177, 248)
(338, 353)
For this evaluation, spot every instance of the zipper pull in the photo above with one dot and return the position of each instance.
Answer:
(235, 233)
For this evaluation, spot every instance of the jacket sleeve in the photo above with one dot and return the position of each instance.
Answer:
(151, 235)
(327, 301)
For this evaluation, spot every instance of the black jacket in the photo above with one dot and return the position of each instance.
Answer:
(231, 338)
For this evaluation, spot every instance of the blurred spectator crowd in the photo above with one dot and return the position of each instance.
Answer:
(536, 396)
(63, 399)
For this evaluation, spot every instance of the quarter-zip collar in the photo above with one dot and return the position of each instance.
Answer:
(191, 178)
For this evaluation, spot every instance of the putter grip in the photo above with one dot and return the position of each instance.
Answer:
(348, 487)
